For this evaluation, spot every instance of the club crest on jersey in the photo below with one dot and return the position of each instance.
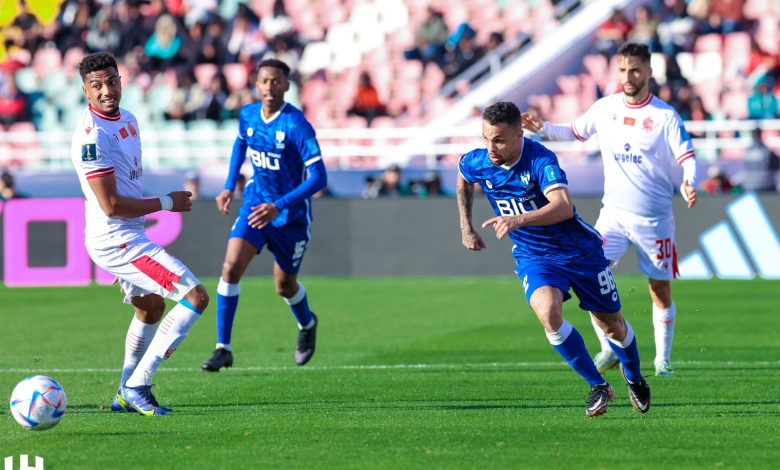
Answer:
(525, 177)
(89, 152)
(647, 124)
(488, 184)
(627, 147)
(250, 132)
(87, 129)
(133, 132)
(280, 139)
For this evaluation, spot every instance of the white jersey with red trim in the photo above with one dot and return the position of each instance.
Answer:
(102, 146)
(639, 144)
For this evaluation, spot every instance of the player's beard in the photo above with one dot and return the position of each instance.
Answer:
(637, 88)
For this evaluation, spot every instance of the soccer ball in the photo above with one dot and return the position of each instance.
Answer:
(38, 403)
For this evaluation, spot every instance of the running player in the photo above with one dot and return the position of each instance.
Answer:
(641, 139)
(554, 249)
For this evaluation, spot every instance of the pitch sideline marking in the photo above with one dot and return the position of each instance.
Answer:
(482, 365)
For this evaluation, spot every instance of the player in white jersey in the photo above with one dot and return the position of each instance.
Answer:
(641, 138)
(106, 153)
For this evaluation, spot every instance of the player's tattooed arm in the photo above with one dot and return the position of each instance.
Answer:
(465, 196)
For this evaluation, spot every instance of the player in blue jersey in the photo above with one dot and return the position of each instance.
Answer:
(554, 249)
(276, 212)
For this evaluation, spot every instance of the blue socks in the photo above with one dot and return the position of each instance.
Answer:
(569, 344)
(628, 354)
(299, 305)
(227, 302)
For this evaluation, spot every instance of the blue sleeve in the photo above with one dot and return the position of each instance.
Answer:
(317, 180)
(548, 172)
(465, 170)
(236, 162)
(306, 142)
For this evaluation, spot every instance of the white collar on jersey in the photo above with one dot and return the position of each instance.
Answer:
(274, 115)
(509, 167)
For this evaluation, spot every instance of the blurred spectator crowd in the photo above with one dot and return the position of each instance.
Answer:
(190, 63)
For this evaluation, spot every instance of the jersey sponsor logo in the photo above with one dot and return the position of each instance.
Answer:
(87, 129)
(123, 132)
(647, 124)
(266, 160)
(628, 157)
(280, 139)
(89, 152)
(515, 206)
(488, 184)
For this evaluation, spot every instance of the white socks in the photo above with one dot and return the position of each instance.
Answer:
(139, 335)
(663, 324)
(557, 338)
(603, 339)
(173, 329)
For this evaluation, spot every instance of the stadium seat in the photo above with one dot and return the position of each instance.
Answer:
(204, 73)
(25, 148)
(734, 104)
(71, 61)
(658, 64)
(736, 51)
(27, 81)
(236, 76)
(757, 9)
(45, 60)
(565, 108)
(708, 43)
(708, 68)
(54, 83)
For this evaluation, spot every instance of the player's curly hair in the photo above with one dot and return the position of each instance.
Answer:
(632, 49)
(97, 61)
(275, 63)
(503, 112)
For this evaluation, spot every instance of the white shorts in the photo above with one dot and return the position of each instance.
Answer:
(652, 237)
(144, 268)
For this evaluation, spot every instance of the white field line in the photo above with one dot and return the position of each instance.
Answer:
(347, 367)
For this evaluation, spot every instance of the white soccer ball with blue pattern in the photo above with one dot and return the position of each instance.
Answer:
(38, 403)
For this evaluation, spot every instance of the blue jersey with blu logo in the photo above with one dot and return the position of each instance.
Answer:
(281, 149)
(520, 188)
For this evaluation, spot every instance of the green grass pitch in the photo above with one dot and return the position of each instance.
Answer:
(409, 373)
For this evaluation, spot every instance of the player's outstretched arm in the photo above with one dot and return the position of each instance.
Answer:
(547, 129)
(531, 123)
(470, 238)
(224, 199)
(117, 206)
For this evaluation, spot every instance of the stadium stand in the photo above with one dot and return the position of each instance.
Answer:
(330, 42)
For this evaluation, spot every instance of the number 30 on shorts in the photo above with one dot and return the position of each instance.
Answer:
(665, 248)
(607, 283)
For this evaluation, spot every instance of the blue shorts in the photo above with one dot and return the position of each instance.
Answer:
(287, 243)
(590, 278)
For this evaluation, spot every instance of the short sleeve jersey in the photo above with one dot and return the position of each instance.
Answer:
(639, 144)
(521, 187)
(108, 145)
(280, 149)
